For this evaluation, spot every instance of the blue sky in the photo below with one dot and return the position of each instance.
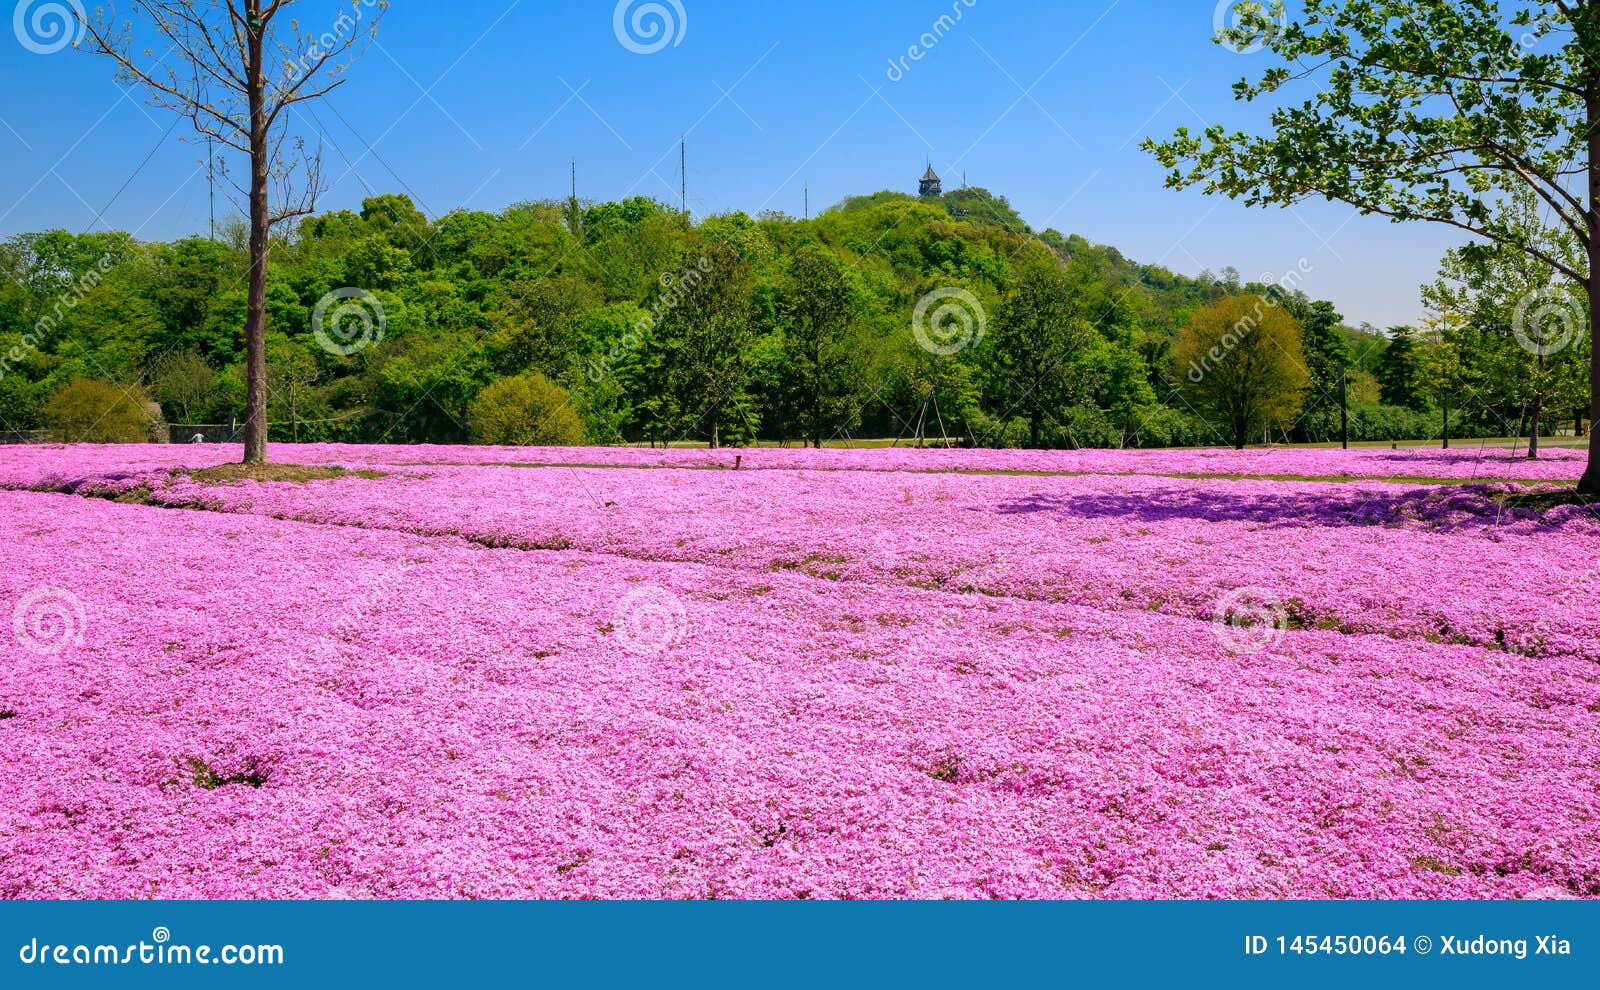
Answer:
(480, 103)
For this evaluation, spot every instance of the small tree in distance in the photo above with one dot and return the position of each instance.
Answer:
(525, 411)
(183, 381)
(1241, 361)
(236, 79)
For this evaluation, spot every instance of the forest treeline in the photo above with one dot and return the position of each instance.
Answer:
(920, 318)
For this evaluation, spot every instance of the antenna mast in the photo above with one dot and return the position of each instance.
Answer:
(211, 180)
(683, 175)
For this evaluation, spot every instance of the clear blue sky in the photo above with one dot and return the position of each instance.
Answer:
(481, 103)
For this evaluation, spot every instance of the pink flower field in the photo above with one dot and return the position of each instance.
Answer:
(499, 673)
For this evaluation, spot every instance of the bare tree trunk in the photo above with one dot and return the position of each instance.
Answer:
(255, 320)
(1444, 407)
(1589, 484)
(1533, 432)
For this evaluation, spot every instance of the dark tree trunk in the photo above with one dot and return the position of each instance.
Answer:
(1589, 484)
(1533, 432)
(1444, 407)
(255, 320)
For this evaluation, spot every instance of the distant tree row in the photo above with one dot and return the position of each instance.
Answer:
(886, 316)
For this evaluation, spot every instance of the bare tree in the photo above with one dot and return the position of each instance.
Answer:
(235, 76)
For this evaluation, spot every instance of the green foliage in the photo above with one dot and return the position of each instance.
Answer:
(528, 410)
(818, 352)
(1242, 362)
(1399, 371)
(1471, 113)
(184, 384)
(88, 411)
(1037, 334)
(723, 330)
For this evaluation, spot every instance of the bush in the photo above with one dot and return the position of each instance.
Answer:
(1081, 426)
(88, 411)
(20, 402)
(525, 411)
(1164, 426)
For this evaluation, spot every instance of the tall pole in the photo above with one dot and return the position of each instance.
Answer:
(211, 177)
(683, 176)
(572, 204)
(807, 191)
(1344, 414)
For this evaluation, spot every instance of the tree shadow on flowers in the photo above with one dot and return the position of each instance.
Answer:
(1448, 508)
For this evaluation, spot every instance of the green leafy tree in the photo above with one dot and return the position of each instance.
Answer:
(292, 372)
(184, 383)
(817, 317)
(1036, 334)
(1399, 371)
(1428, 110)
(708, 334)
(1529, 350)
(1446, 371)
(1326, 349)
(1241, 361)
